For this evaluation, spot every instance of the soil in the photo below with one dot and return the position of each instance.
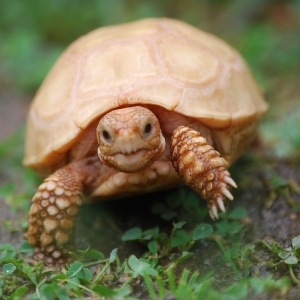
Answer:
(101, 225)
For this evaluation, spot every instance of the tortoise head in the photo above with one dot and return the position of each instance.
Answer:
(129, 139)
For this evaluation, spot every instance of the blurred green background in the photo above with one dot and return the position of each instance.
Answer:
(34, 32)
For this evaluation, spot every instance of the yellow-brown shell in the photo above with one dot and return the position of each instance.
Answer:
(153, 61)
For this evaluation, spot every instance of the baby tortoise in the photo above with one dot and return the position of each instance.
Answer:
(134, 108)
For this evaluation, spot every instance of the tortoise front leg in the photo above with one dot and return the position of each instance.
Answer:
(202, 168)
(54, 210)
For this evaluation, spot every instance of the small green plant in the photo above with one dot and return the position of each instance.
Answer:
(162, 245)
(280, 186)
(18, 277)
(178, 204)
(290, 256)
(80, 281)
(190, 286)
(228, 226)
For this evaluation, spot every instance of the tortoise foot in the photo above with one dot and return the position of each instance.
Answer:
(202, 168)
(53, 214)
(52, 256)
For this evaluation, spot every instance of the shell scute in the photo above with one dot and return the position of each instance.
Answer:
(119, 74)
(102, 37)
(187, 63)
(205, 40)
(213, 106)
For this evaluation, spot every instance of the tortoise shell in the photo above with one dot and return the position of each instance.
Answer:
(161, 62)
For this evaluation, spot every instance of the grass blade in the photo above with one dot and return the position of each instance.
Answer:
(149, 286)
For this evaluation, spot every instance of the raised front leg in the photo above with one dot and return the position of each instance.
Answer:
(202, 168)
(54, 210)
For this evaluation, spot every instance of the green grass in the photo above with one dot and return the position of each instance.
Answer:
(79, 281)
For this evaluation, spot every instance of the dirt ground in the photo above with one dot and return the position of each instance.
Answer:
(12, 115)
(101, 225)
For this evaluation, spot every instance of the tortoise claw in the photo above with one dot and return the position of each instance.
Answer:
(214, 212)
(211, 215)
(227, 194)
(221, 204)
(230, 181)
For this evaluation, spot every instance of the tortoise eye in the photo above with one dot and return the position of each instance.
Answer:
(148, 129)
(106, 135)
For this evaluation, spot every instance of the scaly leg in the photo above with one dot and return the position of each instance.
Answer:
(202, 168)
(54, 210)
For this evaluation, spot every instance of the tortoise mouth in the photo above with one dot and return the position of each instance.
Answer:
(133, 161)
(130, 155)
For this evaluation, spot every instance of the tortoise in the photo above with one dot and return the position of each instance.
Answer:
(133, 108)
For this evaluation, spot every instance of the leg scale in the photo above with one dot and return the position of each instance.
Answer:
(53, 214)
(202, 168)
